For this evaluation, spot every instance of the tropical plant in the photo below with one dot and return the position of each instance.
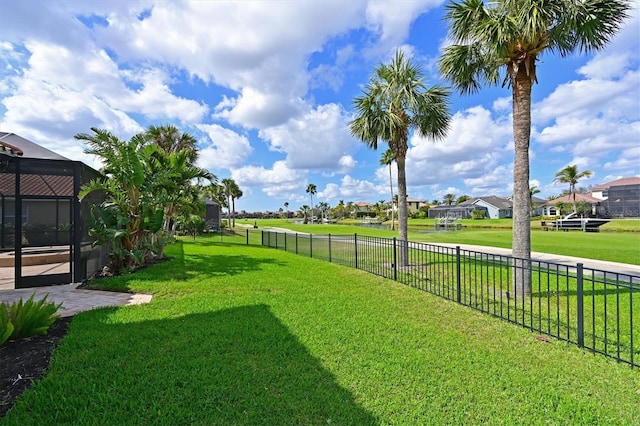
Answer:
(571, 175)
(509, 36)
(6, 327)
(311, 190)
(146, 186)
(28, 318)
(387, 159)
(396, 101)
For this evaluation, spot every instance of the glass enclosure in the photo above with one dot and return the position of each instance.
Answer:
(43, 234)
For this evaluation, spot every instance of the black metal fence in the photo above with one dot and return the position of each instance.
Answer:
(594, 309)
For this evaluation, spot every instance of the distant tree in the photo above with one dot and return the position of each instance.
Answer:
(304, 210)
(462, 199)
(448, 199)
(571, 175)
(533, 190)
(435, 202)
(231, 191)
(311, 190)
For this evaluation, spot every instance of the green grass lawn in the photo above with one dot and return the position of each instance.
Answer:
(242, 334)
(620, 246)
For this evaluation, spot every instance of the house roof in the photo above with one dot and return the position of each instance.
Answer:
(569, 199)
(37, 185)
(412, 200)
(618, 182)
(492, 200)
(362, 204)
(17, 145)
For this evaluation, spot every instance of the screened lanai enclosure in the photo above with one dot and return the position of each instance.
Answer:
(43, 231)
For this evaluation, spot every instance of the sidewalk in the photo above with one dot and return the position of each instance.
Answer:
(621, 268)
(75, 300)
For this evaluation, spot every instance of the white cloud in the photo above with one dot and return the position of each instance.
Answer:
(223, 149)
(62, 93)
(317, 140)
(475, 144)
(277, 182)
(498, 181)
(352, 189)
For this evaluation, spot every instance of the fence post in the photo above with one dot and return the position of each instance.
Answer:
(311, 245)
(261, 237)
(329, 248)
(285, 241)
(296, 243)
(355, 248)
(580, 296)
(247, 236)
(395, 259)
(458, 275)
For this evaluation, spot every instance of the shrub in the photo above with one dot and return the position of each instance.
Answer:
(477, 214)
(27, 318)
(6, 327)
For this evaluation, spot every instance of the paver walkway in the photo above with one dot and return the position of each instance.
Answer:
(75, 300)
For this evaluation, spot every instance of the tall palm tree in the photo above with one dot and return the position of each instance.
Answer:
(508, 36)
(396, 101)
(571, 176)
(311, 190)
(387, 159)
(286, 208)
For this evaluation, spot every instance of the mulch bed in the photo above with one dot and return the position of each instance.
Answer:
(24, 361)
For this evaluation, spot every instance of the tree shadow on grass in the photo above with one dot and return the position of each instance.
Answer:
(234, 366)
(218, 265)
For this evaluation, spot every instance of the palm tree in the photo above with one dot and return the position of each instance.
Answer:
(305, 213)
(387, 159)
(395, 101)
(236, 193)
(533, 190)
(508, 36)
(229, 185)
(311, 190)
(462, 198)
(448, 199)
(169, 139)
(571, 176)
(286, 208)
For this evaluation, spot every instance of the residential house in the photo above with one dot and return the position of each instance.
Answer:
(620, 198)
(413, 205)
(549, 208)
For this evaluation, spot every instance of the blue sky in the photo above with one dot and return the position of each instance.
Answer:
(267, 88)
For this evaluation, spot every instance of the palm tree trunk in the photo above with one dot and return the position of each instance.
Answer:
(403, 258)
(521, 247)
(391, 187)
(233, 202)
